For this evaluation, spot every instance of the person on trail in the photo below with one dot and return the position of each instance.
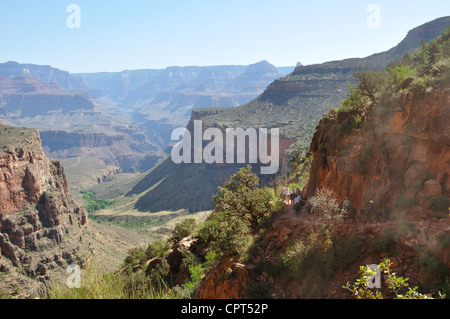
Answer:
(288, 196)
(293, 195)
(298, 204)
(351, 210)
(369, 211)
(298, 198)
(371, 207)
(347, 203)
(282, 195)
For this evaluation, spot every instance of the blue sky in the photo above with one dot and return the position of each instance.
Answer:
(138, 34)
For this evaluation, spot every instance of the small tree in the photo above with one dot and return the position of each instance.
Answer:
(371, 83)
(355, 100)
(224, 233)
(399, 74)
(242, 197)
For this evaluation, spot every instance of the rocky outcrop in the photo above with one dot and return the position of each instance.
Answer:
(228, 280)
(178, 270)
(36, 209)
(402, 151)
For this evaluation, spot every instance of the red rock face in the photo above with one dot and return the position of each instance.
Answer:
(25, 174)
(403, 148)
(229, 280)
(34, 197)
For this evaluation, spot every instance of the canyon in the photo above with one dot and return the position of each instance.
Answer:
(398, 156)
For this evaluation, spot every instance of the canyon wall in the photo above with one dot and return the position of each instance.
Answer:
(36, 210)
(401, 151)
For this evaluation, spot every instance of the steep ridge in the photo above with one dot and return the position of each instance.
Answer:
(425, 32)
(40, 224)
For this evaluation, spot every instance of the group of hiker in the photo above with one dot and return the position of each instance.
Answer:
(369, 213)
(294, 197)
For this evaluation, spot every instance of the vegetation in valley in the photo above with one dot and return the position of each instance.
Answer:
(94, 203)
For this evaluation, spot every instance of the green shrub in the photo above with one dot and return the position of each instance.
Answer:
(182, 230)
(439, 203)
(443, 241)
(422, 85)
(433, 270)
(357, 121)
(405, 201)
(355, 100)
(4, 294)
(386, 244)
(224, 233)
(242, 198)
(135, 257)
(159, 275)
(397, 287)
(157, 249)
(294, 256)
(347, 250)
(400, 73)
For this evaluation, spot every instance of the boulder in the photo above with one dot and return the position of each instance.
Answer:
(422, 238)
(152, 263)
(415, 175)
(175, 257)
(432, 188)
(228, 280)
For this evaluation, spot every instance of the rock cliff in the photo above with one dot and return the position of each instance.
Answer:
(402, 151)
(36, 210)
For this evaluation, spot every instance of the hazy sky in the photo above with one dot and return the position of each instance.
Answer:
(136, 34)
